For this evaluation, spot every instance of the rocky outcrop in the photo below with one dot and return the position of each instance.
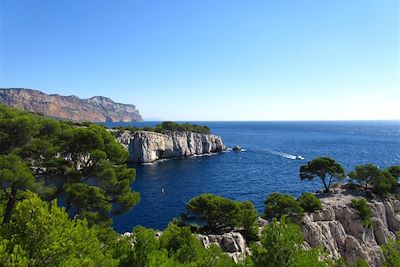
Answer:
(146, 147)
(233, 243)
(95, 109)
(339, 229)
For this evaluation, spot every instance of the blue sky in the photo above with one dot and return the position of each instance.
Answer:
(211, 60)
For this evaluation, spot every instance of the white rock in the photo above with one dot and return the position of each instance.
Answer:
(146, 147)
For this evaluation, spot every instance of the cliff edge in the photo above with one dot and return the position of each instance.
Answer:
(147, 147)
(339, 228)
(95, 109)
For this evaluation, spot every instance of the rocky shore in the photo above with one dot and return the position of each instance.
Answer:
(337, 228)
(147, 147)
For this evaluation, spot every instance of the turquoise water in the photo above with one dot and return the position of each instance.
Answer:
(268, 164)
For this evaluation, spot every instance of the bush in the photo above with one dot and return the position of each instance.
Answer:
(363, 210)
(249, 220)
(185, 248)
(278, 205)
(309, 202)
(281, 246)
(40, 234)
(361, 263)
(384, 182)
(391, 252)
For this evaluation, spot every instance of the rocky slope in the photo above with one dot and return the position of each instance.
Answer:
(95, 109)
(146, 147)
(338, 227)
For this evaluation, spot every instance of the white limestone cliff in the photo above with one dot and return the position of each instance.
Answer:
(146, 147)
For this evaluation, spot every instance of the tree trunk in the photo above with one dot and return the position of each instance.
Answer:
(326, 188)
(10, 205)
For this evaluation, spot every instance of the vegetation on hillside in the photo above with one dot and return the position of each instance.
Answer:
(327, 170)
(363, 210)
(84, 166)
(168, 126)
(61, 183)
(223, 214)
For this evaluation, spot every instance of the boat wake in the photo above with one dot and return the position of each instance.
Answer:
(285, 155)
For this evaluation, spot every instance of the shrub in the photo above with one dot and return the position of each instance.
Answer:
(384, 182)
(185, 248)
(309, 202)
(278, 205)
(41, 234)
(249, 218)
(391, 252)
(361, 263)
(281, 246)
(363, 210)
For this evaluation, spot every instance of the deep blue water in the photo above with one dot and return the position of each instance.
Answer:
(266, 166)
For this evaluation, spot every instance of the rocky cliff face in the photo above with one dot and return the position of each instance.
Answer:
(146, 147)
(338, 227)
(95, 109)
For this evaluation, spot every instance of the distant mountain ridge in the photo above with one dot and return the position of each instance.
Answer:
(95, 109)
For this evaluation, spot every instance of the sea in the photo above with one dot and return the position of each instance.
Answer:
(269, 162)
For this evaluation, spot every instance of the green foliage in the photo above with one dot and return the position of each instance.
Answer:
(326, 169)
(278, 205)
(41, 234)
(361, 263)
(84, 164)
(17, 128)
(309, 202)
(145, 246)
(15, 176)
(168, 126)
(184, 127)
(218, 212)
(281, 246)
(365, 174)
(249, 220)
(384, 182)
(177, 246)
(391, 252)
(394, 171)
(186, 249)
(222, 213)
(363, 210)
